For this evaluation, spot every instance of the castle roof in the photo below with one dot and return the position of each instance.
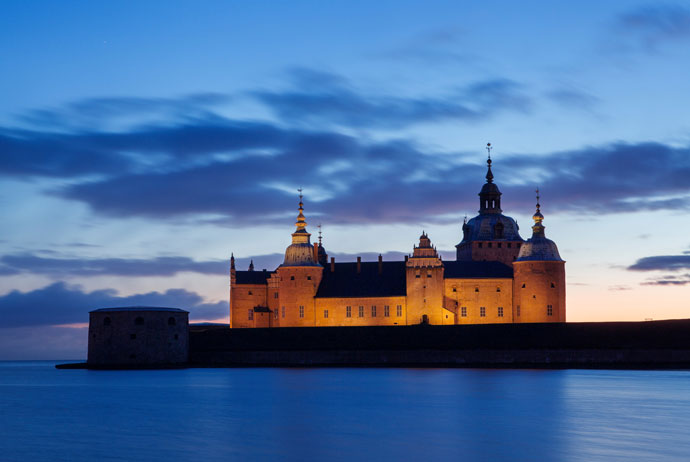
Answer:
(252, 277)
(345, 281)
(477, 270)
(138, 308)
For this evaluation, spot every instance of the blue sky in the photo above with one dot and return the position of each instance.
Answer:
(141, 144)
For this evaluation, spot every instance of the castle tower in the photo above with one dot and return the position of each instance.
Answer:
(539, 278)
(233, 281)
(490, 236)
(299, 277)
(424, 277)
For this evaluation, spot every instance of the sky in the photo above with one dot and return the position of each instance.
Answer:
(141, 143)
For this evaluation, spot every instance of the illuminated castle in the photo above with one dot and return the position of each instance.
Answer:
(497, 277)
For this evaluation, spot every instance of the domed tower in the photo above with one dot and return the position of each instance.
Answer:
(424, 279)
(490, 236)
(539, 278)
(299, 277)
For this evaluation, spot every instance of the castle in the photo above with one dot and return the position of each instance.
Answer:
(497, 277)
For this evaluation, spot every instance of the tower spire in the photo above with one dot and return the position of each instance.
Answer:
(232, 261)
(251, 265)
(319, 234)
(538, 228)
(489, 196)
(489, 174)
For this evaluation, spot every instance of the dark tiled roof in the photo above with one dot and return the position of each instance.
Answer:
(138, 308)
(346, 282)
(252, 277)
(477, 269)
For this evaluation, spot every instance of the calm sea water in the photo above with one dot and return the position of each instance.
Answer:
(342, 414)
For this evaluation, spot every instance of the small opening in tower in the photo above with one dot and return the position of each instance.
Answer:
(553, 286)
(476, 289)
(523, 286)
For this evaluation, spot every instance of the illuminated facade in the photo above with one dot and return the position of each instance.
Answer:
(497, 277)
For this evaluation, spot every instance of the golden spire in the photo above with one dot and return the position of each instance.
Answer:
(538, 228)
(301, 222)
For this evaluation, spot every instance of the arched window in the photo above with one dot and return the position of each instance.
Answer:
(498, 231)
(171, 321)
(107, 321)
(139, 321)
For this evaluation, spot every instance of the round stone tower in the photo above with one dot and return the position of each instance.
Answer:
(299, 277)
(539, 278)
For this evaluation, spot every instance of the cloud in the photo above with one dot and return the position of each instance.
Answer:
(59, 303)
(668, 280)
(647, 27)
(324, 99)
(662, 263)
(159, 266)
(572, 98)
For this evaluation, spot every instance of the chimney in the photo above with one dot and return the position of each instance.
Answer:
(380, 263)
(359, 265)
(332, 264)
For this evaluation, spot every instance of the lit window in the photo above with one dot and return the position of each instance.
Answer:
(373, 311)
(275, 294)
(250, 314)
(361, 311)
(301, 311)
(348, 311)
(500, 311)
(275, 313)
(325, 313)
(398, 311)
(386, 311)
(482, 311)
(549, 310)
(463, 311)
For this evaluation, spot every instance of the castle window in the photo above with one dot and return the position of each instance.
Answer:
(282, 312)
(417, 276)
(361, 311)
(517, 309)
(373, 311)
(428, 274)
(250, 292)
(498, 289)
(499, 245)
(398, 311)
(171, 321)
(482, 311)
(498, 231)
(509, 246)
(523, 286)
(275, 313)
(139, 321)
(177, 337)
(107, 321)
(463, 311)
(348, 311)
(490, 245)
(476, 289)
(292, 278)
(386, 311)
(500, 311)
(132, 336)
(308, 278)
(553, 286)
(301, 311)
(518, 246)
(275, 294)
(455, 289)
(325, 313)
(549, 310)
(479, 245)
(250, 315)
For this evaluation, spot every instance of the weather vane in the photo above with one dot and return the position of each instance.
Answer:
(300, 192)
(319, 233)
(488, 149)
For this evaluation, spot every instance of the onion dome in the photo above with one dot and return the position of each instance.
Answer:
(300, 252)
(538, 247)
(490, 224)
